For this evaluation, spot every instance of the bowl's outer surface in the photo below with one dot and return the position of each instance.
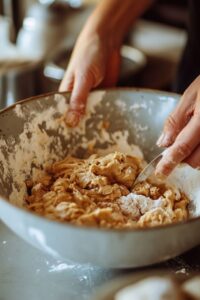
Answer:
(107, 248)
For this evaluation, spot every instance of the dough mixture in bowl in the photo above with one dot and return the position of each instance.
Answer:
(98, 191)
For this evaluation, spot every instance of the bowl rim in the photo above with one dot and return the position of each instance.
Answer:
(131, 89)
(93, 228)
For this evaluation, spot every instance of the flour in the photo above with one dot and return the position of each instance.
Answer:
(187, 180)
(137, 106)
(141, 128)
(136, 205)
(18, 111)
(44, 138)
(121, 104)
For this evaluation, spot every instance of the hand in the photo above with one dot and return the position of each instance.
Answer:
(181, 132)
(94, 61)
(96, 56)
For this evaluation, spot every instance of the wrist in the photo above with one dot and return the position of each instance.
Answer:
(112, 19)
(102, 32)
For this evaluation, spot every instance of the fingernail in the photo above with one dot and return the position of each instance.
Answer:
(160, 139)
(158, 172)
(72, 118)
(164, 140)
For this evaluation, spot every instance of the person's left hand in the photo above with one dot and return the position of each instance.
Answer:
(181, 134)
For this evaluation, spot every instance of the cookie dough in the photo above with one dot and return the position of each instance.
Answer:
(98, 191)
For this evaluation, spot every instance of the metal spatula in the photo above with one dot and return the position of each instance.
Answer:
(148, 170)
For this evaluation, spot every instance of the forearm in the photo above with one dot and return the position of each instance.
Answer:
(113, 18)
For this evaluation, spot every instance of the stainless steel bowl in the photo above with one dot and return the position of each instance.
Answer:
(130, 110)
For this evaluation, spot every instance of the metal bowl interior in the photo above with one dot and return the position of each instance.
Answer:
(33, 133)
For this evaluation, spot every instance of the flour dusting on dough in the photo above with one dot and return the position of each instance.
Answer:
(44, 138)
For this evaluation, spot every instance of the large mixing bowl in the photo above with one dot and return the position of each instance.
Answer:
(33, 133)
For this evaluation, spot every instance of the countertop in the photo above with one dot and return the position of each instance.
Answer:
(27, 273)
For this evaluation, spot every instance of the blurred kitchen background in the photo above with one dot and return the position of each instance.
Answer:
(37, 37)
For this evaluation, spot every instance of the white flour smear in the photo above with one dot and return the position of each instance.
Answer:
(44, 137)
(134, 205)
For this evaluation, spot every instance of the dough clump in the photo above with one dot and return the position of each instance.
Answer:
(99, 192)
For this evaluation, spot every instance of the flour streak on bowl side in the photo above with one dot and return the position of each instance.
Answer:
(33, 133)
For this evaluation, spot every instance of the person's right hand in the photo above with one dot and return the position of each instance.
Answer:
(181, 132)
(95, 60)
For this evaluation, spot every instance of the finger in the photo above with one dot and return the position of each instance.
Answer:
(178, 118)
(82, 86)
(112, 70)
(194, 159)
(67, 83)
(185, 143)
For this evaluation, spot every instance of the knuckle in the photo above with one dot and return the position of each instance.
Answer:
(84, 75)
(183, 150)
(77, 106)
(169, 161)
(171, 123)
(79, 110)
(168, 167)
(92, 75)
